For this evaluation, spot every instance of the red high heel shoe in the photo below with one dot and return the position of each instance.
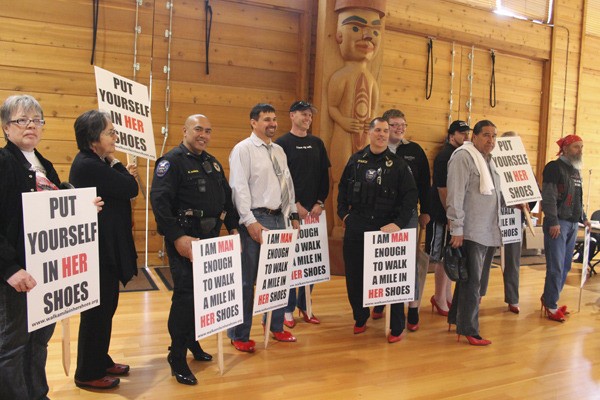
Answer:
(558, 316)
(437, 307)
(473, 341)
(290, 323)
(359, 329)
(412, 327)
(311, 320)
(514, 309)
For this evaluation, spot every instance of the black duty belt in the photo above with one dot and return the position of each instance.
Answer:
(191, 213)
(268, 210)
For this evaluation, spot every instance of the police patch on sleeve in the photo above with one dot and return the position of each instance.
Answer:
(370, 175)
(216, 165)
(162, 168)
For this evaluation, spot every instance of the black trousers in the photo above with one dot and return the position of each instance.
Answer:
(22, 354)
(354, 252)
(181, 316)
(95, 329)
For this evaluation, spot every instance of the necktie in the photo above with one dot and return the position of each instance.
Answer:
(285, 195)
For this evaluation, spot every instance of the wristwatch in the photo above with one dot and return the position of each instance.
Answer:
(294, 216)
(321, 204)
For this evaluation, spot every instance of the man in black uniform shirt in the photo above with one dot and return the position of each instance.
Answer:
(416, 159)
(309, 165)
(376, 192)
(189, 194)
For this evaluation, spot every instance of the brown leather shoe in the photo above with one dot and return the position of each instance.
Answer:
(108, 382)
(118, 369)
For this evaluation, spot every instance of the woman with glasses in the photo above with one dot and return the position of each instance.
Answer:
(96, 166)
(23, 169)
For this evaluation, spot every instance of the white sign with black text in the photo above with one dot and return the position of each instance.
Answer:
(128, 103)
(217, 284)
(389, 267)
(510, 225)
(311, 258)
(517, 180)
(61, 254)
(274, 270)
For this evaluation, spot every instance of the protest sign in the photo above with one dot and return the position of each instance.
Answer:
(311, 258)
(389, 267)
(510, 225)
(517, 180)
(274, 268)
(587, 237)
(61, 254)
(129, 107)
(217, 284)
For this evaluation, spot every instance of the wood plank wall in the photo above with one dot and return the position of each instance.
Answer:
(258, 53)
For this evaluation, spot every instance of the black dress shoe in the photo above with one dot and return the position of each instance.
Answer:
(181, 371)
(199, 354)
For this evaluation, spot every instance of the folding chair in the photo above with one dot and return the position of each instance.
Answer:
(594, 247)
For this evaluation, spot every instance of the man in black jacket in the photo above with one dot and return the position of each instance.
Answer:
(189, 195)
(562, 203)
(376, 192)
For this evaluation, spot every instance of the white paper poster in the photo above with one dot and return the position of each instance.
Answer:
(217, 284)
(128, 103)
(274, 270)
(517, 180)
(311, 260)
(61, 254)
(510, 225)
(389, 267)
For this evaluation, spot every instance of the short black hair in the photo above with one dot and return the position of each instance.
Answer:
(261, 108)
(88, 127)
(375, 121)
(481, 124)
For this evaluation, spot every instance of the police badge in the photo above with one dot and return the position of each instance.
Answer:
(370, 175)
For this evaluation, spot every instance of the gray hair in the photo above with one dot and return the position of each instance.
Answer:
(15, 103)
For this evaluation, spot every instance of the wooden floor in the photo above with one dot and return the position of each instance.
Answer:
(530, 358)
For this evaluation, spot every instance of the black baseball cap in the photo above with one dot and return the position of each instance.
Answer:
(458, 125)
(301, 106)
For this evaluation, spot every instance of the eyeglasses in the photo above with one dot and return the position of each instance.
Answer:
(111, 132)
(398, 125)
(24, 122)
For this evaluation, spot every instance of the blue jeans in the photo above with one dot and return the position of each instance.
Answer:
(299, 300)
(22, 354)
(559, 256)
(250, 255)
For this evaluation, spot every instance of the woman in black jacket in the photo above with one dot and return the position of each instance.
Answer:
(22, 169)
(95, 166)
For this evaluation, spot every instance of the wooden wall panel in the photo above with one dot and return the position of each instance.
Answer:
(256, 55)
(518, 90)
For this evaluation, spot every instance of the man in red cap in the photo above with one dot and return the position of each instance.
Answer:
(562, 203)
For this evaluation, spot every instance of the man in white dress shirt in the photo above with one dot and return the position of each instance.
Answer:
(263, 194)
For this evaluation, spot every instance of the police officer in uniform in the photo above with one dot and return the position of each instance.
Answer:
(376, 192)
(189, 196)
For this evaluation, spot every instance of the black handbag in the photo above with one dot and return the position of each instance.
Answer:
(455, 264)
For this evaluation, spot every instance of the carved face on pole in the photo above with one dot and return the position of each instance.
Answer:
(358, 34)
